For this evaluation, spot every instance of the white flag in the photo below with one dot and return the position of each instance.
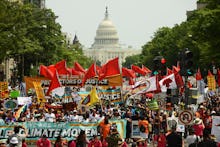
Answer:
(168, 83)
(151, 84)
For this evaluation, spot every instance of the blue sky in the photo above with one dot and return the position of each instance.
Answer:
(135, 20)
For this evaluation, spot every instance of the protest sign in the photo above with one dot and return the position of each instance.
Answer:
(67, 130)
(135, 131)
(216, 127)
(24, 100)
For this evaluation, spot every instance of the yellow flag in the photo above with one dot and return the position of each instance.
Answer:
(211, 82)
(39, 92)
(94, 96)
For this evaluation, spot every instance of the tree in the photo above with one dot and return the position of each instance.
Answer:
(31, 36)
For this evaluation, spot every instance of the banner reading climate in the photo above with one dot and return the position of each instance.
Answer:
(68, 130)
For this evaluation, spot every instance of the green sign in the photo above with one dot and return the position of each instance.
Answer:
(153, 105)
(68, 130)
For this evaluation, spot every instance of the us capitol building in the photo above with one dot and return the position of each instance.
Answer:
(106, 45)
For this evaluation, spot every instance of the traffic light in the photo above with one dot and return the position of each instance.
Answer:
(163, 66)
(156, 65)
(159, 65)
(188, 62)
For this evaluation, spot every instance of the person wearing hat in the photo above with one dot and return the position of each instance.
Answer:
(122, 143)
(16, 138)
(198, 126)
(3, 143)
(141, 142)
(74, 117)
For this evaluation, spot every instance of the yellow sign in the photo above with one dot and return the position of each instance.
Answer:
(4, 93)
(39, 92)
(211, 82)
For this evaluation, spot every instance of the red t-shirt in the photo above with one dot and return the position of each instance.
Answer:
(96, 143)
(104, 143)
(72, 144)
(43, 143)
(24, 144)
(161, 141)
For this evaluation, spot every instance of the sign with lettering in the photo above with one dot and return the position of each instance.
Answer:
(68, 130)
(113, 95)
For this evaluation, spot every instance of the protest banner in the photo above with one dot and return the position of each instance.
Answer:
(113, 95)
(216, 127)
(67, 130)
(24, 100)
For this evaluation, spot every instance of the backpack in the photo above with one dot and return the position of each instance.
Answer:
(142, 128)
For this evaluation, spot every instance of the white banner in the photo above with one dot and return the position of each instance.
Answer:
(216, 127)
(24, 100)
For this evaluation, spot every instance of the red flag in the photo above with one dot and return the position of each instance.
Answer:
(74, 72)
(128, 72)
(189, 84)
(209, 73)
(55, 83)
(138, 70)
(61, 68)
(169, 71)
(44, 71)
(78, 67)
(145, 69)
(176, 69)
(111, 68)
(131, 81)
(218, 76)
(90, 73)
(52, 68)
(179, 80)
(98, 70)
(198, 75)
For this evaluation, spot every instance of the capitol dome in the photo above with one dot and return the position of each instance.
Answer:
(106, 34)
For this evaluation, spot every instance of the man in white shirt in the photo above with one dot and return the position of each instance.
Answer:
(74, 117)
(94, 117)
(50, 117)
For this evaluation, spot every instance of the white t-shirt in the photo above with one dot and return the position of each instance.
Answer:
(50, 117)
(74, 118)
(191, 139)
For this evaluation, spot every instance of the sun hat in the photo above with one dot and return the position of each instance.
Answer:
(14, 140)
(213, 112)
(197, 121)
(140, 140)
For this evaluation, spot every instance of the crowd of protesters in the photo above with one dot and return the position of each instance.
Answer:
(152, 125)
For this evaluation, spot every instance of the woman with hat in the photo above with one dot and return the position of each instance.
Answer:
(198, 127)
(141, 142)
